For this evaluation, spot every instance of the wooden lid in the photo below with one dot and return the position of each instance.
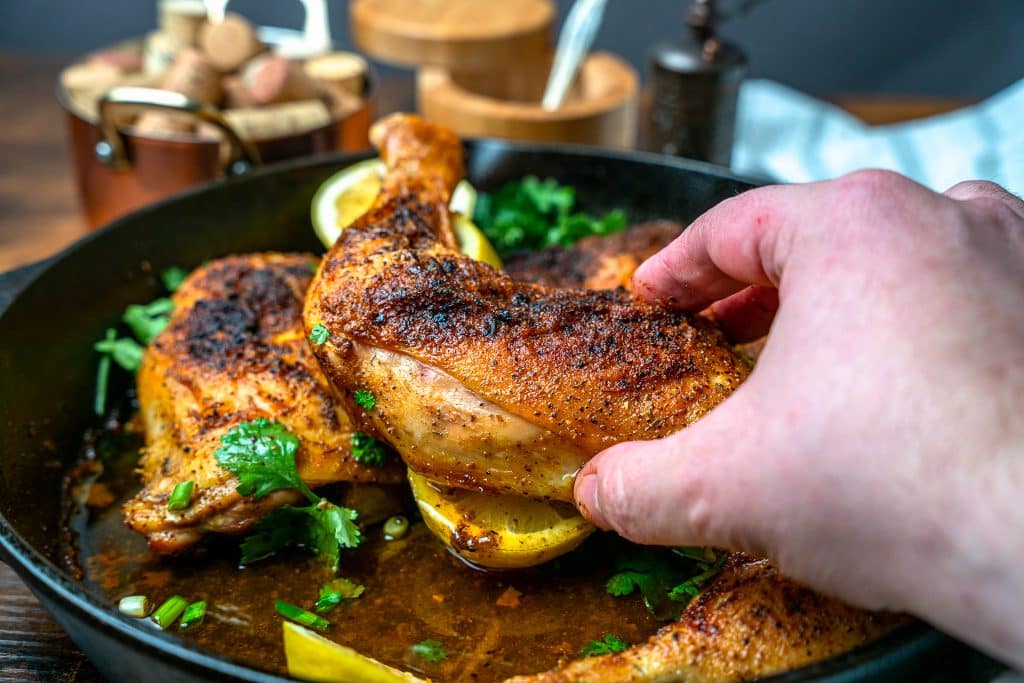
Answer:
(463, 34)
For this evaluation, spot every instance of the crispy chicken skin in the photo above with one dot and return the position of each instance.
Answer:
(594, 262)
(483, 382)
(234, 351)
(750, 622)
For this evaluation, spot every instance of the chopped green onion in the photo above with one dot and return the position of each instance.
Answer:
(431, 650)
(167, 613)
(99, 403)
(194, 615)
(181, 496)
(319, 334)
(365, 399)
(301, 616)
(395, 528)
(134, 606)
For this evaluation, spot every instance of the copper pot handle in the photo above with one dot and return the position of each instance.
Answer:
(111, 149)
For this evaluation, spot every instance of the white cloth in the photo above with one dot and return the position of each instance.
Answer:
(788, 136)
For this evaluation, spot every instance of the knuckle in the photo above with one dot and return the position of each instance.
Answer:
(874, 182)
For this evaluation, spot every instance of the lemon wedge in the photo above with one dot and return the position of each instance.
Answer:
(349, 193)
(498, 532)
(312, 657)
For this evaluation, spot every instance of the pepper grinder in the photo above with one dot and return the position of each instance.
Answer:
(694, 89)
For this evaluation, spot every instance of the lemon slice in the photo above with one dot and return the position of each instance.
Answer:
(498, 532)
(473, 243)
(349, 193)
(312, 657)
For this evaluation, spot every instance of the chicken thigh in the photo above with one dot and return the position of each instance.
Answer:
(477, 380)
(234, 351)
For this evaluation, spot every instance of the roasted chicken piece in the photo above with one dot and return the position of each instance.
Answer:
(482, 382)
(749, 623)
(594, 262)
(234, 351)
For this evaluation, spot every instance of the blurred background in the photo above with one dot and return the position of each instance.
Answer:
(963, 49)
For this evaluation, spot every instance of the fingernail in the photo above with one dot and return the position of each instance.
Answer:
(586, 500)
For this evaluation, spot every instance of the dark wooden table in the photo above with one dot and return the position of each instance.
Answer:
(39, 215)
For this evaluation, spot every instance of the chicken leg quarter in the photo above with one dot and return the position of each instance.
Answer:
(482, 382)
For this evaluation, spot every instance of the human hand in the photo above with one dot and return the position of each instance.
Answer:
(876, 452)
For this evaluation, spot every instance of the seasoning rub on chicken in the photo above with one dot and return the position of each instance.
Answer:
(234, 351)
(482, 382)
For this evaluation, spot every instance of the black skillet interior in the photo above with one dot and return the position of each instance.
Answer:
(47, 367)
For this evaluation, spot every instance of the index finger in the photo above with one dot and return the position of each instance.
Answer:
(742, 241)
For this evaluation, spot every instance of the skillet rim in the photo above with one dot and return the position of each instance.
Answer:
(42, 575)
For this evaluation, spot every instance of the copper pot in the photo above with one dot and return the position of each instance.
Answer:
(118, 171)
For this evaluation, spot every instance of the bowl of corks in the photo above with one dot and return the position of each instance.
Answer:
(204, 97)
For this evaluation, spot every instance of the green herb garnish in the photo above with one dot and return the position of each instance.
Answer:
(365, 399)
(319, 334)
(665, 580)
(99, 402)
(125, 352)
(301, 616)
(534, 214)
(173, 277)
(432, 651)
(334, 592)
(261, 454)
(368, 450)
(181, 496)
(167, 613)
(149, 320)
(608, 645)
(146, 322)
(690, 588)
(193, 616)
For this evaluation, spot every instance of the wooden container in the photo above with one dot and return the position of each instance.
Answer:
(600, 110)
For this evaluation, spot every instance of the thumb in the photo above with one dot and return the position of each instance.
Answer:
(704, 485)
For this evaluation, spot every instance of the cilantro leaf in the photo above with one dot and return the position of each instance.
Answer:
(274, 532)
(125, 352)
(261, 454)
(690, 588)
(330, 529)
(334, 592)
(365, 399)
(666, 580)
(534, 214)
(368, 450)
(173, 277)
(319, 334)
(324, 528)
(621, 584)
(149, 320)
(432, 651)
(608, 645)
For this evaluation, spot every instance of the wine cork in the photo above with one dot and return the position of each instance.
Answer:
(124, 58)
(160, 51)
(342, 103)
(339, 71)
(193, 76)
(182, 19)
(272, 79)
(236, 95)
(90, 76)
(230, 43)
(278, 120)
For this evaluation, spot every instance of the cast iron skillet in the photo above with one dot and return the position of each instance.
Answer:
(47, 370)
